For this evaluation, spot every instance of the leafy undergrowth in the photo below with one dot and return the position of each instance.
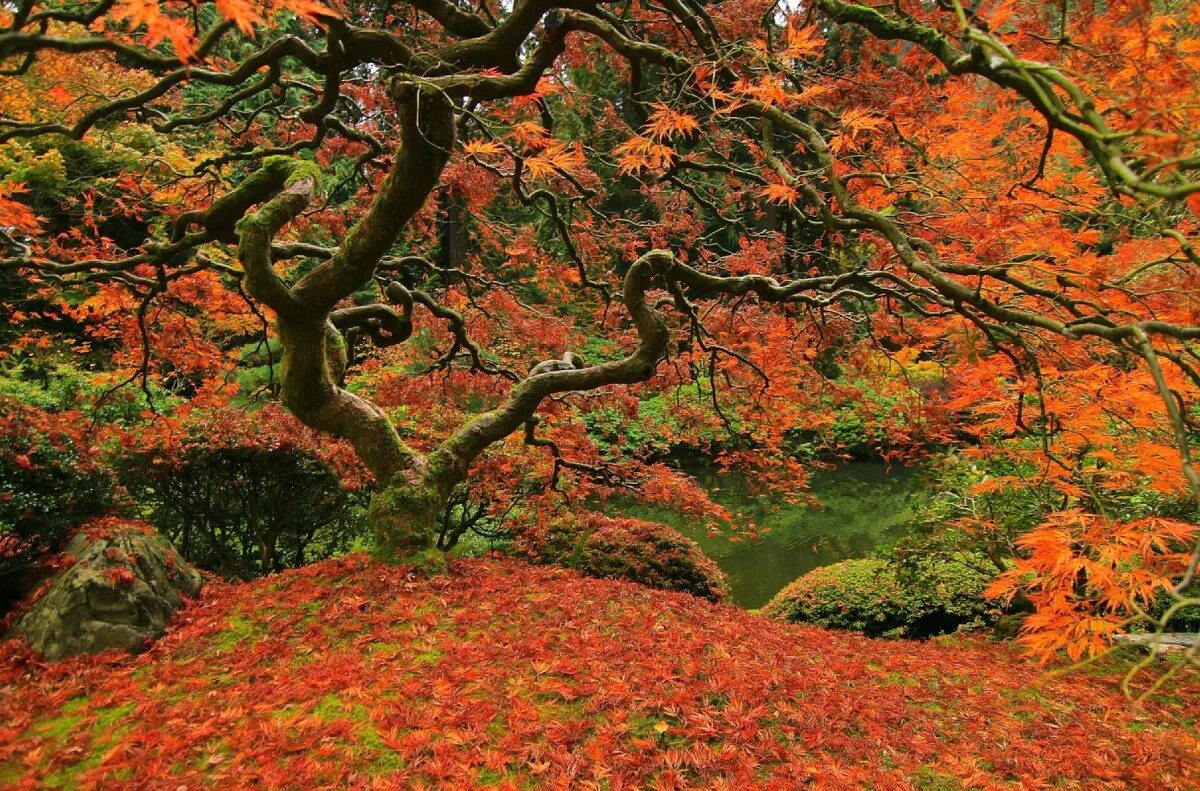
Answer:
(348, 673)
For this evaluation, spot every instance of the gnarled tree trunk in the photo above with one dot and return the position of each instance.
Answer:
(403, 516)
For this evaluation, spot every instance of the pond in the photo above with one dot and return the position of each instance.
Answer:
(864, 504)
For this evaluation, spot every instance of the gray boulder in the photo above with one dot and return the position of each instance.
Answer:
(119, 593)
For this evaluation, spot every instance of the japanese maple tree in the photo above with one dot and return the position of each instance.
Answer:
(727, 194)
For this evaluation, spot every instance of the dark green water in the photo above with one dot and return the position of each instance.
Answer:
(863, 505)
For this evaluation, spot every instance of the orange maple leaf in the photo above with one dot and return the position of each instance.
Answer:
(13, 213)
(666, 122)
(780, 194)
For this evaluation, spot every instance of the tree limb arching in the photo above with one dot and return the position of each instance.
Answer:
(314, 355)
(480, 59)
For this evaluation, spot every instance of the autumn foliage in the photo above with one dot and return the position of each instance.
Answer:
(509, 258)
(502, 675)
(632, 549)
(50, 481)
(1091, 578)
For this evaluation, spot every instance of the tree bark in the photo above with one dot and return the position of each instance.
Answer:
(403, 517)
(403, 513)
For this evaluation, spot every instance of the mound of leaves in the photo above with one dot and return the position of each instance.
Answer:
(504, 675)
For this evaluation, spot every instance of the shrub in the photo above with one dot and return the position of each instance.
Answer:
(243, 494)
(632, 549)
(982, 505)
(63, 387)
(49, 483)
(244, 512)
(1184, 619)
(869, 596)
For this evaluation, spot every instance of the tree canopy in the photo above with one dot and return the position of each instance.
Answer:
(448, 234)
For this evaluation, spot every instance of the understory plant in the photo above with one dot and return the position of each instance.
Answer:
(871, 596)
(646, 552)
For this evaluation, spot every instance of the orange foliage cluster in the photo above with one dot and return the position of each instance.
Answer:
(14, 214)
(170, 20)
(1092, 577)
(1018, 215)
(167, 440)
(507, 676)
(27, 433)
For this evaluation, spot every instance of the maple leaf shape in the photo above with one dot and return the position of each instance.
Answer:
(768, 91)
(555, 156)
(546, 86)
(139, 13)
(802, 42)
(780, 194)
(241, 13)
(665, 122)
(309, 10)
(854, 121)
(482, 148)
(159, 26)
(530, 134)
(859, 119)
(643, 153)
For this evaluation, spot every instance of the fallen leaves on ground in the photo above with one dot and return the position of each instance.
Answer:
(350, 673)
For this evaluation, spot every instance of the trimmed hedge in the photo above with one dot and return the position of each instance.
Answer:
(869, 596)
(649, 553)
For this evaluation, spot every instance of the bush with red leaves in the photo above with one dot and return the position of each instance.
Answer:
(50, 482)
(601, 546)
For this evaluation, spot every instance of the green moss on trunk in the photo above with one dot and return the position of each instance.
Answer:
(403, 517)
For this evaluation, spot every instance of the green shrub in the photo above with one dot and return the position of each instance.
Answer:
(63, 387)
(963, 516)
(474, 545)
(243, 493)
(631, 549)
(870, 596)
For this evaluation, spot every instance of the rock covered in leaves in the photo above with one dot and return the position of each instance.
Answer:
(352, 674)
(124, 584)
(645, 552)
